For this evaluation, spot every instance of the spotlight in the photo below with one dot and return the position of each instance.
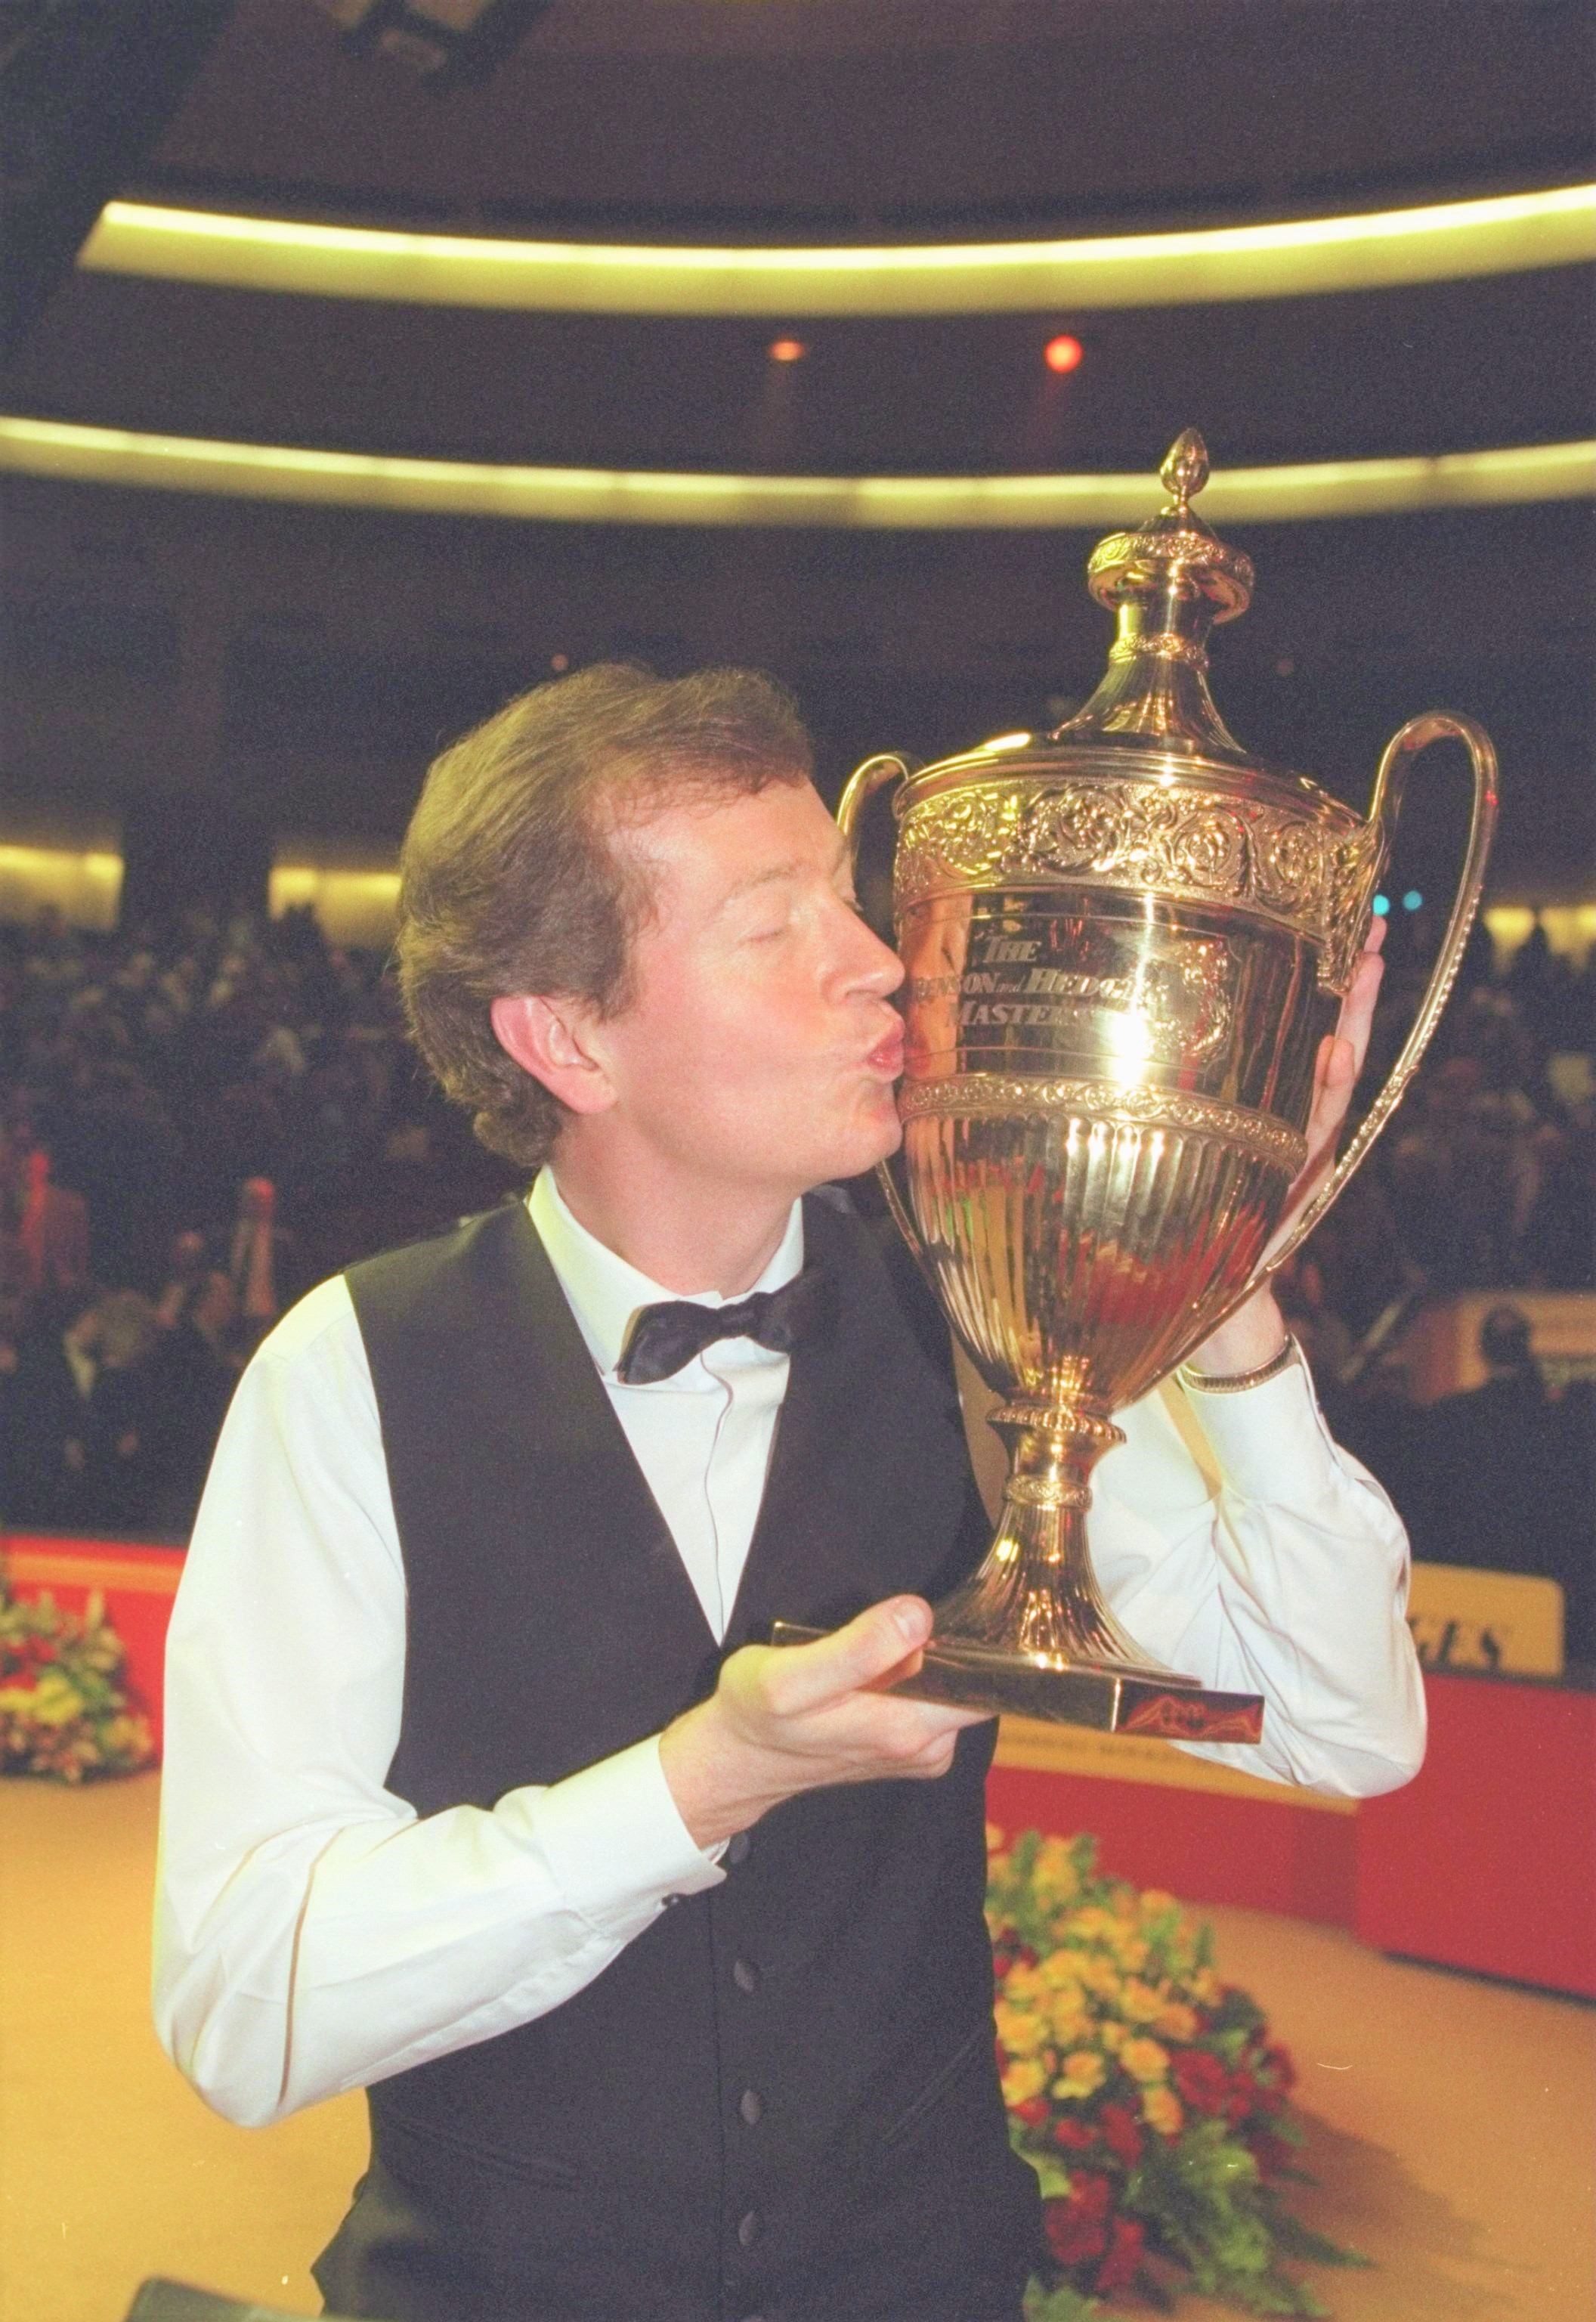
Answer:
(1062, 353)
(1412, 900)
(559, 663)
(787, 351)
(1381, 906)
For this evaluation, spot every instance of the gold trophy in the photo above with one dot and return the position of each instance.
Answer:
(1124, 942)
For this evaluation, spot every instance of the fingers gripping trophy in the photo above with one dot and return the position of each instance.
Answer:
(1126, 942)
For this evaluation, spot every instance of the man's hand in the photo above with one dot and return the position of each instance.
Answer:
(1257, 1331)
(789, 1718)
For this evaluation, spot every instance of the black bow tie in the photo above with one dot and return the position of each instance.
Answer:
(664, 1338)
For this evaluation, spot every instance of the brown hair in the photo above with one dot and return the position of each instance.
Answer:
(509, 879)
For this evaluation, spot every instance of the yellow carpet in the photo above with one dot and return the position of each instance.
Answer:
(1452, 2121)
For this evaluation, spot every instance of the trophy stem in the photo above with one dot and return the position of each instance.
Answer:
(1036, 1592)
(1028, 1635)
(1029, 1632)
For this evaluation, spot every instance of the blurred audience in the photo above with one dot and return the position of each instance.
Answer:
(1503, 1481)
(199, 1119)
(197, 1122)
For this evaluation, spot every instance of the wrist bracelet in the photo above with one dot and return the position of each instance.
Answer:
(1209, 1382)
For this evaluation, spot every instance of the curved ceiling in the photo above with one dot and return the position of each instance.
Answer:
(845, 123)
(812, 119)
(877, 120)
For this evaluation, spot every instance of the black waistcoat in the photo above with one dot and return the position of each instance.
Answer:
(780, 2099)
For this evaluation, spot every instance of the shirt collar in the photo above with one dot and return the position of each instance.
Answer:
(603, 1292)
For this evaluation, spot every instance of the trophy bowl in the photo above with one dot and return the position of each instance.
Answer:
(1124, 942)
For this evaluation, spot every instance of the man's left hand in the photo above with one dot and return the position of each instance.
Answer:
(1256, 1332)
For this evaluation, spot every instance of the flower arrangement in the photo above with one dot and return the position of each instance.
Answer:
(1147, 2095)
(63, 1708)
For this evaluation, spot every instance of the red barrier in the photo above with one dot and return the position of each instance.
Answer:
(1206, 1848)
(1488, 1860)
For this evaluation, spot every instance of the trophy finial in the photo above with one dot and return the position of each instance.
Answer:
(1168, 582)
(1185, 471)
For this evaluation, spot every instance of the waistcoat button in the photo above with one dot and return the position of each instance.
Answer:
(745, 1975)
(738, 1847)
(747, 2229)
(751, 2105)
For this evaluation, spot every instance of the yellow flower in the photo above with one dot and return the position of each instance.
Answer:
(1083, 2075)
(1054, 1873)
(1145, 2059)
(1061, 1971)
(1100, 1976)
(1139, 2002)
(1112, 2036)
(1204, 1986)
(56, 1699)
(1068, 2019)
(1156, 1903)
(995, 1837)
(1094, 1924)
(1024, 1984)
(1025, 2079)
(1020, 2029)
(1175, 2021)
(1160, 2109)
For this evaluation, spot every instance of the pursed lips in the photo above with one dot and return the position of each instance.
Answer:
(887, 1056)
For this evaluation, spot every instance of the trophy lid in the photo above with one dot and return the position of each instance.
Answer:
(1168, 583)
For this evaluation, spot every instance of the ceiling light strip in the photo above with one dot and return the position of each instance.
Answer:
(1502, 234)
(1338, 488)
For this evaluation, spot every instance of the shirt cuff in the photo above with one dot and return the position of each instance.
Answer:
(1269, 1440)
(614, 1838)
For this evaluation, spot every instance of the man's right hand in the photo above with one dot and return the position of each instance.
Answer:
(789, 1718)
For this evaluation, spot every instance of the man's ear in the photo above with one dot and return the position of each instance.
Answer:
(547, 1038)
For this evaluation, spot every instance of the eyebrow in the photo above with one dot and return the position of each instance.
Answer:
(774, 873)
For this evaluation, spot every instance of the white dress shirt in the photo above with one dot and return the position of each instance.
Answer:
(313, 1935)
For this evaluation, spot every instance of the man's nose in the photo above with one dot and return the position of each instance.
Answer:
(876, 967)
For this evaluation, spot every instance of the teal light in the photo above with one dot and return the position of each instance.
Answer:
(1412, 899)
(1381, 906)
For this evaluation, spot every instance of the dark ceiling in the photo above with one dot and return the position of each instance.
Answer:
(342, 647)
(786, 119)
(798, 118)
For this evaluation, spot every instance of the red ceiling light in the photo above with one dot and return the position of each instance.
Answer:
(787, 351)
(1062, 353)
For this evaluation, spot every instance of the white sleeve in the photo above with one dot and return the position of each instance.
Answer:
(311, 1933)
(1237, 1541)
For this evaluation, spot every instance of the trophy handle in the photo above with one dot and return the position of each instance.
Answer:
(1384, 806)
(862, 784)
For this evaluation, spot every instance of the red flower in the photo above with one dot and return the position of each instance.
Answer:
(1078, 2229)
(1073, 2135)
(1201, 2081)
(1118, 2268)
(1243, 2098)
(1033, 2111)
(1121, 2133)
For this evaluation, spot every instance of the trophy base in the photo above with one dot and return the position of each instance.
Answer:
(1108, 1698)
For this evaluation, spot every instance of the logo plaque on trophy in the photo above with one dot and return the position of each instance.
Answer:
(1124, 942)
